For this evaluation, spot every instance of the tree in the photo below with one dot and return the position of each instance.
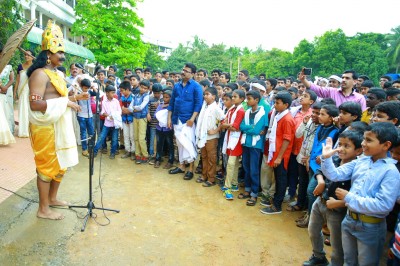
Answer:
(394, 48)
(111, 31)
(153, 59)
(178, 58)
(10, 21)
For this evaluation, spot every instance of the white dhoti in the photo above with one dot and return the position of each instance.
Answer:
(5, 133)
(186, 141)
(23, 106)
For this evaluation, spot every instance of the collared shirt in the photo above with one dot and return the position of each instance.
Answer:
(185, 100)
(109, 107)
(375, 185)
(337, 95)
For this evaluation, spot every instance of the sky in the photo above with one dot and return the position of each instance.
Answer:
(267, 23)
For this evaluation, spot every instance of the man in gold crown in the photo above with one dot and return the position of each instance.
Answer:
(50, 121)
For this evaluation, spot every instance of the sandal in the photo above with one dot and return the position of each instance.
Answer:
(251, 202)
(208, 184)
(294, 208)
(200, 180)
(244, 196)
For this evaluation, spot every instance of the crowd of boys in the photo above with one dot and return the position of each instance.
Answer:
(327, 148)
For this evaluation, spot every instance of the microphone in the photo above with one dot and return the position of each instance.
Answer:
(78, 65)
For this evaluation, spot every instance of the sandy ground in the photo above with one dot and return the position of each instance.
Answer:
(164, 220)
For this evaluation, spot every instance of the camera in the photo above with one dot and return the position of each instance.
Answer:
(307, 71)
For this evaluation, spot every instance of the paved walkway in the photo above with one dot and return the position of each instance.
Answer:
(17, 166)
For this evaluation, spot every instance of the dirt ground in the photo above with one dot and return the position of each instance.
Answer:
(164, 220)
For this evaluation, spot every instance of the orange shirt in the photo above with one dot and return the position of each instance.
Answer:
(285, 131)
(298, 119)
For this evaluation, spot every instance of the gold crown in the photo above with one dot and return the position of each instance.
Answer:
(52, 38)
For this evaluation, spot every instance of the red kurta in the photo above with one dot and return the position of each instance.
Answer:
(236, 124)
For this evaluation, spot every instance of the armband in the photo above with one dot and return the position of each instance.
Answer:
(35, 97)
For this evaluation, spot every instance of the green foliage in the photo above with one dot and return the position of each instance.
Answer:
(153, 60)
(10, 21)
(111, 31)
(331, 53)
(393, 50)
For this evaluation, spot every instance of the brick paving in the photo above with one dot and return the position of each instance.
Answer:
(17, 166)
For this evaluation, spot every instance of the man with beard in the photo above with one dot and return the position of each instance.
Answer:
(50, 117)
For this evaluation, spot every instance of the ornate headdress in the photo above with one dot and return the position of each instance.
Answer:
(52, 38)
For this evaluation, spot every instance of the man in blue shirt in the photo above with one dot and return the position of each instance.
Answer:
(184, 106)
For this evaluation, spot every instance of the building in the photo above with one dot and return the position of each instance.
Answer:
(60, 11)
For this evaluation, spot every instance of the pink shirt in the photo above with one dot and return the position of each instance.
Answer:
(109, 107)
(337, 95)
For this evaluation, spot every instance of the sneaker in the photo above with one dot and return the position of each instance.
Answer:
(303, 223)
(270, 210)
(223, 188)
(112, 156)
(228, 194)
(145, 159)
(167, 166)
(152, 160)
(266, 201)
(138, 160)
(234, 188)
(314, 261)
(126, 155)
(157, 164)
(85, 153)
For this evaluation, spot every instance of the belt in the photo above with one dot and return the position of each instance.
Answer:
(365, 218)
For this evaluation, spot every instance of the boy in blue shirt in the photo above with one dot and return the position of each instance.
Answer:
(375, 188)
(253, 145)
(139, 107)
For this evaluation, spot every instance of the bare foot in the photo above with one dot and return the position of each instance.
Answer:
(58, 203)
(49, 214)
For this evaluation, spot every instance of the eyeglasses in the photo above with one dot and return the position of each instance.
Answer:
(186, 71)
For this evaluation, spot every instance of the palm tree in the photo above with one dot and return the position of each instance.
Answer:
(394, 48)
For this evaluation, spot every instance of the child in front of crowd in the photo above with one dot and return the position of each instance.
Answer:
(232, 146)
(327, 208)
(326, 129)
(373, 98)
(375, 187)
(252, 146)
(111, 110)
(164, 133)
(154, 102)
(280, 138)
(127, 120)
(139, 107)
(207, 134)
(85, 116)
(307, 99)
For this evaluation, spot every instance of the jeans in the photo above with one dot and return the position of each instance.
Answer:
(312, 184)
(162, 137)
(152, 147)
(103, 135)
(104, 144)
(293, 175)
(362, 242)
(280, 185)
(303, 184)
(85, 124)
(319, 215)
(251, 166)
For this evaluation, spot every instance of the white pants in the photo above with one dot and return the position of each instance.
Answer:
(129, 140)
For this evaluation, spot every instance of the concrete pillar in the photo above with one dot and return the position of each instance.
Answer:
(65, 32)
(41, 20)
(33, 10)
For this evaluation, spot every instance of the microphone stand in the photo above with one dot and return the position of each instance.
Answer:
(91, 143)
